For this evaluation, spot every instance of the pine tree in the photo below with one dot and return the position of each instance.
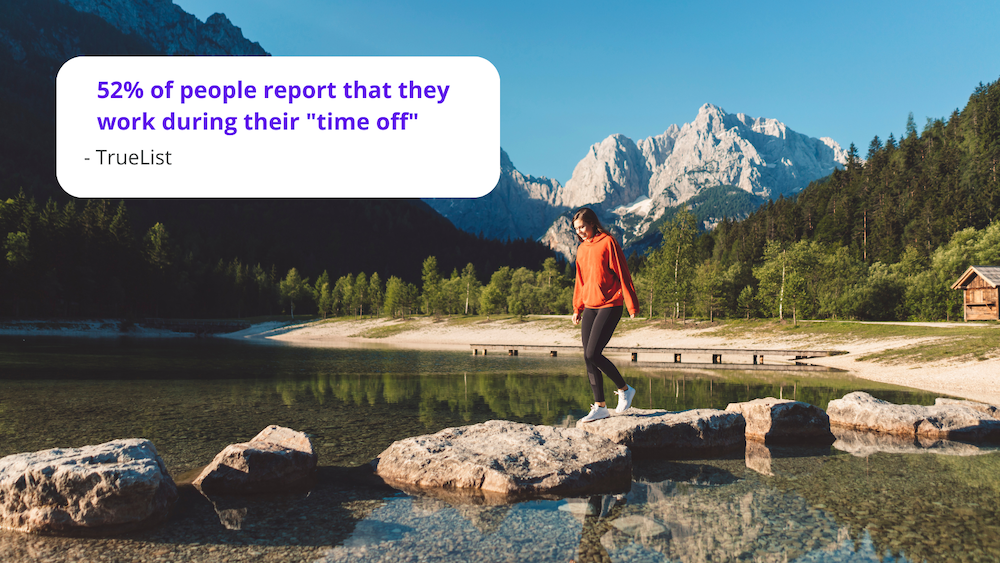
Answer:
(431, 291)
(376, 295)
(294, 289)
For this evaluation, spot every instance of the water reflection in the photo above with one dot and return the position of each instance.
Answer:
(416, 528)
(819, 507)
(740, 521)
(875, 503)
(867, 443)
(768, 459)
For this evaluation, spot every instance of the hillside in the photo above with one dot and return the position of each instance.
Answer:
(916, 192)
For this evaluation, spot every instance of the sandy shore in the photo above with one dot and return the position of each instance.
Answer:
(971, 379)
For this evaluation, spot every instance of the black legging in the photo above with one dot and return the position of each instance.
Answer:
(598, 326)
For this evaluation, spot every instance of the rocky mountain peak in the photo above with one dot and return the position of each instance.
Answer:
(632, 184)
(505, 163)
(614, 171)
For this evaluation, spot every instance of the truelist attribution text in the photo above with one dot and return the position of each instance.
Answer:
(141, 158)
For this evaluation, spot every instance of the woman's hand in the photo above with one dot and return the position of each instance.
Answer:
(576, 318)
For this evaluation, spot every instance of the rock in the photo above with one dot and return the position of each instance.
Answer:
(781, 421)
(107, 488)
(862, 444)
(498, 460)
(658, 433)
(984, 408)
(641, 528)
(276, 459)
(861, 411)
(634, 530)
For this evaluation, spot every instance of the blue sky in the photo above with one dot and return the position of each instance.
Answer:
(573, 73)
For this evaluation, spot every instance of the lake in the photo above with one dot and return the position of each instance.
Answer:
(192, 397)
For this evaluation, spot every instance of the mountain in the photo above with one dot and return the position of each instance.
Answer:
(169, 29)
(519, 207)
(632, 185)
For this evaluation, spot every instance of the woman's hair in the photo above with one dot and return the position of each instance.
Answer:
(588, 216)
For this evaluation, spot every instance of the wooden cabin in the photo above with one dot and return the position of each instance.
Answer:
(980, 286)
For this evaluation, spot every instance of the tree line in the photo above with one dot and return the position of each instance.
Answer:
(87, 257)
(519, 291)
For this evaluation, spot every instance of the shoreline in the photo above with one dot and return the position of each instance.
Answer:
(967, 378)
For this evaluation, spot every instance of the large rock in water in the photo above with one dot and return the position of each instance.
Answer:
(657, 433)
(276, 459)
(781, 421)
(104, 489)
(960, 422)
(500, 460)
(984, 408)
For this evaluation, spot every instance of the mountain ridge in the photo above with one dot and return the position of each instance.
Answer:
(632, 184)
(169, 29)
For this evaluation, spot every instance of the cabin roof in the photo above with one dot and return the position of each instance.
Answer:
(990, 274)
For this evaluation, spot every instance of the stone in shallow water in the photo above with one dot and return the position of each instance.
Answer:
(101, 489)
(641, 527)
(861, 411)
(499, 460)
(781, 421)
(658, 433)
(276, 459)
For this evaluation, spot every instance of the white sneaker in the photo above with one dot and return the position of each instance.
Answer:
(625, 398)
(597, 412)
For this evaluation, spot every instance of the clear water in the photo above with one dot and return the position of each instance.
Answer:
(193, 397)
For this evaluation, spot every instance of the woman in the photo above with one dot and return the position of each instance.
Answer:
(603, 285)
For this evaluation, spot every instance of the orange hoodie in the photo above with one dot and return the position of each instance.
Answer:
(602, 277)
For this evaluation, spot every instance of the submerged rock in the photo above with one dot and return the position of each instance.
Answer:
(500, 459)
(658, 433)
(107, 488)
(782, 421)
(276, 459)
(861, 411)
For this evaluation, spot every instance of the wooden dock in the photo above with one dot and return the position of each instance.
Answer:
(756, 355)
